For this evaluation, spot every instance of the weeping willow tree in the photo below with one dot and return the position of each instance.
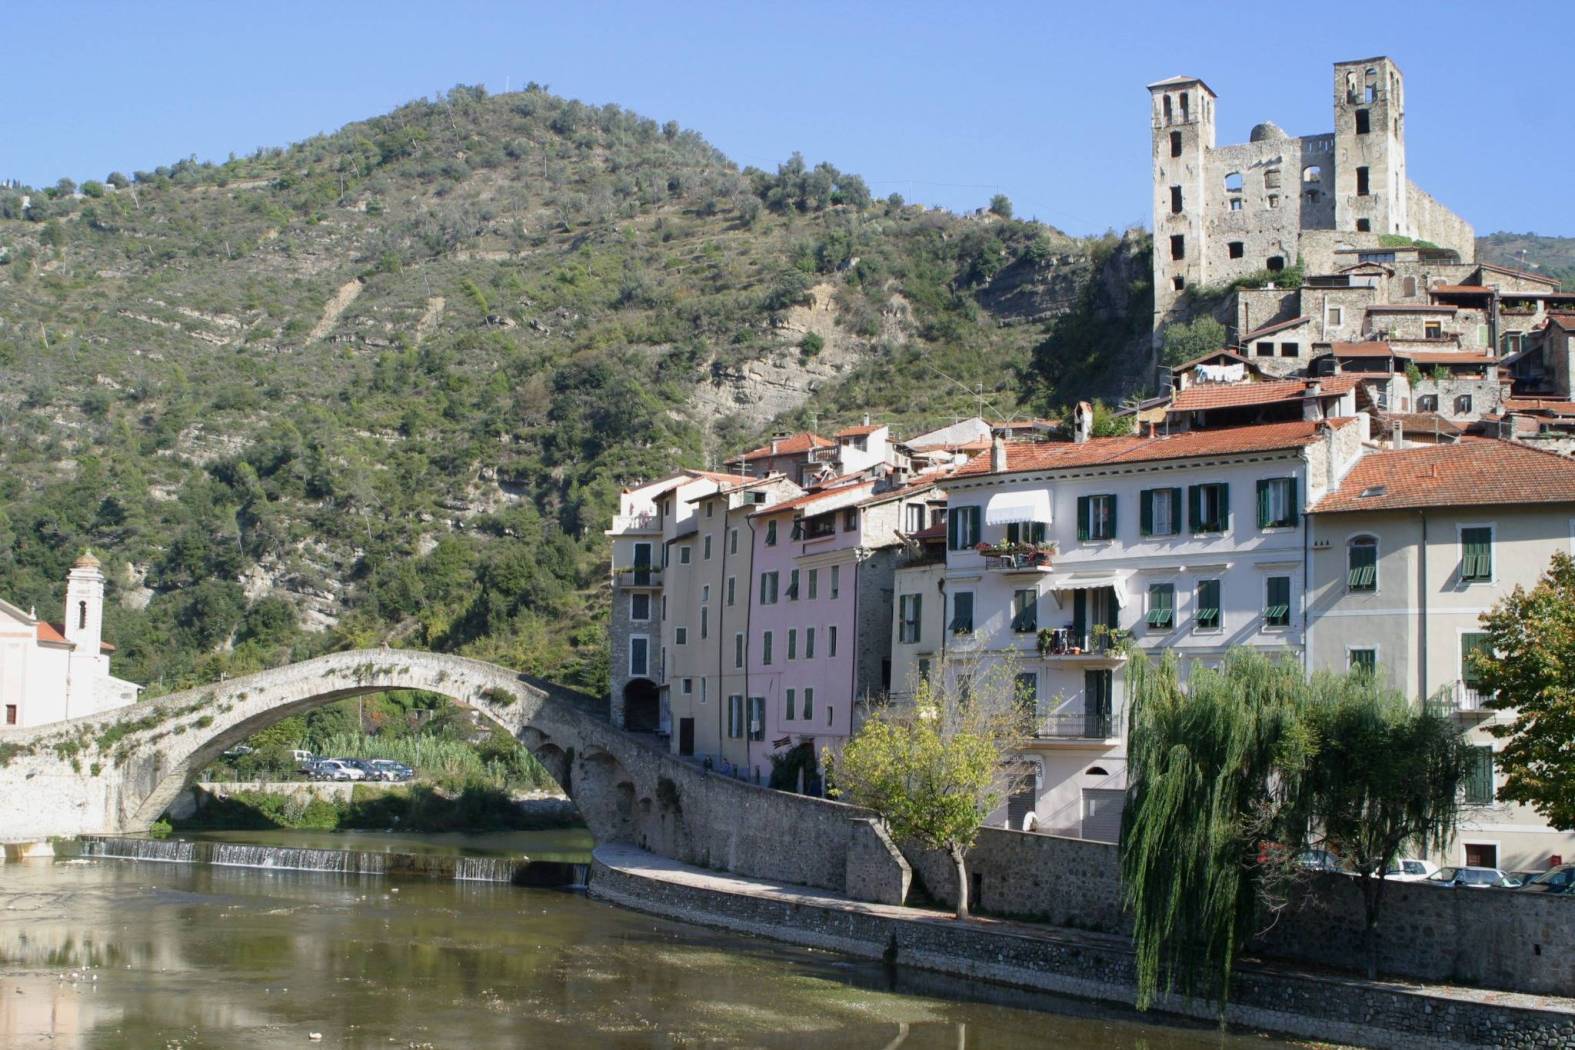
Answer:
(1214, 772)
(1386, 777)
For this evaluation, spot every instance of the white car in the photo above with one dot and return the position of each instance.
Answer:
(333, 769)
(1410, 869)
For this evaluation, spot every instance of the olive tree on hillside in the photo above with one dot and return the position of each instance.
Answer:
(935, 769)
(1526, 663)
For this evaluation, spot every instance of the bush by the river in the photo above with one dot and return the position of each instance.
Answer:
(419, 808)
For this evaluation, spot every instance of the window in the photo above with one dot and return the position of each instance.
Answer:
(1290, 349)
(1168, 117)
(1266, 349)
(732, 541)
(962, 612)
(640, 607)
(684, 553)
(1362, 661)
(1432, 330)
(1026, 531)
(831, 641)
(689, 686)
(809, 643)
(787, 706)
(1162, 605)
(1025, 611)
(664, 608)
(1479, 778)
(1159, 512)
(792, 653)
(850, 519)
(768, 588)
(962, 530)
(1361, 182)
(1208, 507)
(1096, 517)
(639, 655)
(1207, 617)
(909, 609)
(1277, 602)
(1271, 179)
(1476, 548)
(1186, 109)
(1427, 402)
(809, 703)
(1175, 143)
(765, 649)
(913, 517)
(1364, 225)
(1235, 204)
(732, 590)
(1276, 503)
(10, 714)
(1275, 263)
(1361, 561)
(735, 716)
(1178, 246)
(680, 636)
(1178, 283)
(771, 533)
(1473, 642)
(1312, 196)
(814, 583)
(1274, 202)
(1408, 287)
(1312, 173)
(1334, 316)
(706, 547)
(1233, 182)
(738, 650)
(705, 623)
(1236, 249)
(1026, 690)
(1175, 200)
(793, 585)
(836, 571)
(1363, 122)
(924, 671)
(1462, 404)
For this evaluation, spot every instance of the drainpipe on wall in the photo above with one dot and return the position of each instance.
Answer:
(1421, 592)
(748, 616)
(853, 673)
(722, 619)
(1307, 524)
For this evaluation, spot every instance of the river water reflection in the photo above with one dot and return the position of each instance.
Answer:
(124, 955)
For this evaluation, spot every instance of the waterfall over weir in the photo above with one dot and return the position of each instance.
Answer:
(517, 870)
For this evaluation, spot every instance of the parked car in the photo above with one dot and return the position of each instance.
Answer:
(1474, 878)
(238, 751)
(334, 769)
(388, 769)
(1318, 860)
(366, 768)
(1555, 880)
(1410, 869)
(303, 759)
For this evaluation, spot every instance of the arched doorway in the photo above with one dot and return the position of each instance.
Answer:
(641, 707)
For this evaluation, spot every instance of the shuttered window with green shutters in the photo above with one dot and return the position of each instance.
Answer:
(1096, 517)
(1277, 602)
(1162, 605)
(1026, 531)
(1208, 507)
(1276, 503)
(1473, 642)
(1159, 512)
(1362, 564)
(1476, 562)
(1025, 611)
(1479, 779)
(1208, 614)
(962, 612)
(962, 529)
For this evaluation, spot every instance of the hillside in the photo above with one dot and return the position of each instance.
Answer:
(1553, 256)
(384, 384)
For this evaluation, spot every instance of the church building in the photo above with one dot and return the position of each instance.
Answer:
(53, 671)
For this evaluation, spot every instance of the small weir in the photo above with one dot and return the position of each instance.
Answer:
(520, 871)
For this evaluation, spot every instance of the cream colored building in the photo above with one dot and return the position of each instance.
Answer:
(1403, 560)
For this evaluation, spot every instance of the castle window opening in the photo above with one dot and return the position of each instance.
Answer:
(1236, 248)
(1276, 263)
(1233, 182)
(1364, 226)
(1274, 200)
(1362, 188)
(1168, 119)
(82, 616)
(1178, 246)
(1370, 92)
(1271, 179)
(1175, 200)
(1312, 196)
(1235, 204)
(1175, 143)
(1178, 282)
(1312, 173)
(1363, 123)
(1409, 286)
(1186, 109)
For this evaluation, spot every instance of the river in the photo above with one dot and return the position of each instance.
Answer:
(135, 955)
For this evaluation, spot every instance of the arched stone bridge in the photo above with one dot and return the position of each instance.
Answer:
(115, 773)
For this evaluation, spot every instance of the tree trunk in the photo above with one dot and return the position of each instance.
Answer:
(961, 863)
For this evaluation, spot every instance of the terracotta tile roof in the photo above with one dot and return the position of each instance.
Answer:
(930, 532)
(1564, 321)
(1539, 404)
(1461, 289)
(793, 444)
(1211, 355)
(1270, 329)
(858, 431)
(1421, 423)
(726, 479)
(811, 498)
(1412, 308)
(1540, 278)
(1136, 449)
(912, 488)
(977, 445)
(1448, 357)
(48, 632)
(1020, 424)
(1221, 395)
(1471, 472)
(1369, 349)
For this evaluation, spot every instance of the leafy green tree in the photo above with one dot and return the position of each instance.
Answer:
(934, 769)
(1386, 777)
(1001, 205)
(1185, 342)
(1528, 668)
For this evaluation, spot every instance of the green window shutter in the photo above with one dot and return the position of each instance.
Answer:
(953, 522)
(1111, 534)
(1079, 614)
(1195, 507)
(1208, 603)
(1293, 514)
(1479, 781)
(1478, 561)
(1473, 642)
(973, 525)
(1223, 523)
(1082, 517)
(1175, 511)
(1038, 532)
(1146, 512)
(1263, 504)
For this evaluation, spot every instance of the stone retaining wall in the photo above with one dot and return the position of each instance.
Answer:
(1098, 967)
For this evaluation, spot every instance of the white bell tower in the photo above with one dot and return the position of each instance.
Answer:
(84, 629)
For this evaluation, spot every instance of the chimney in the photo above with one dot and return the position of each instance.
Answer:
(998, 455)
(1082, 422)
(1396, 434)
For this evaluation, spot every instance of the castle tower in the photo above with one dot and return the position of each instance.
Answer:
(1369, 148)
(84, 629)
(1183, 134)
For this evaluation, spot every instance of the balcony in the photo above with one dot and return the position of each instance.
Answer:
(1067, 645)
(627, 523)
(1470, 702)
(638, 577)
(1079, 725)
(1017, 558)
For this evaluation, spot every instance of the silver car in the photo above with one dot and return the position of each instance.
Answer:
(1474, 878)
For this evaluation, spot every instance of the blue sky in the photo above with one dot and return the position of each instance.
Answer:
(943, 103)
